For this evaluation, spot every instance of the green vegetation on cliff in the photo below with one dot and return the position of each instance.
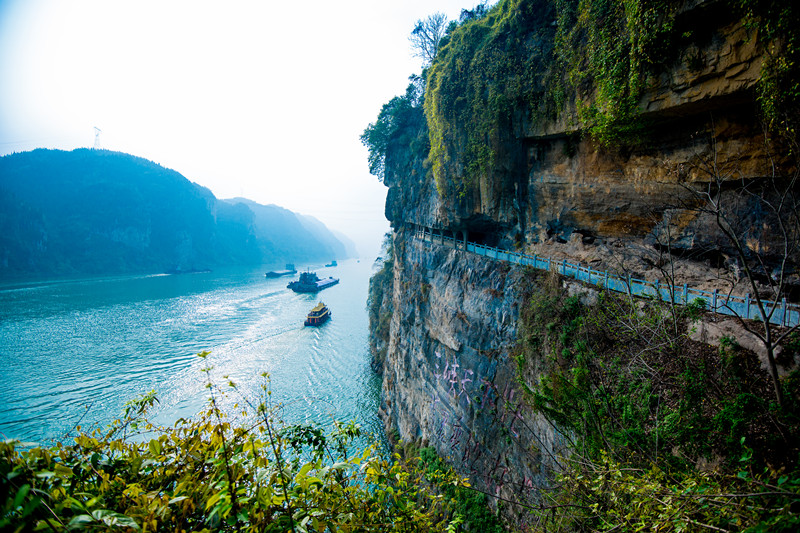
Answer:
(575, 66)
(604, 50)
(398, 135)
(779, 91)
(488, 70)
(666, 434)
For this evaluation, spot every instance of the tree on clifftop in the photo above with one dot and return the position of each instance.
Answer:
(395, 115)
(427, 35)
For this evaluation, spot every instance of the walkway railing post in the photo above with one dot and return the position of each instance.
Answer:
(714, 301)
(657, 287)
(747, 306)
(783, 319)
(564, 267)
(685, 294)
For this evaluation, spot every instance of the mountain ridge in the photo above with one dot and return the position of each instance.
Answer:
(98, 212)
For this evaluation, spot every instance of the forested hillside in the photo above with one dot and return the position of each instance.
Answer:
(96, 212)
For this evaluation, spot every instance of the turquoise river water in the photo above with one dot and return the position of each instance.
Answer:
(76, 351)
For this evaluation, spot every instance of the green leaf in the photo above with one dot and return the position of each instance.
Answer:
(79, 521)
(304, 471)
(155, 447)
(112, 518)
(213, 500)
(63, 471)
(21, 494)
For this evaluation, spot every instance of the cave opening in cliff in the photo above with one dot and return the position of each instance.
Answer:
(482, 230)
(712, 257)
(483, 238)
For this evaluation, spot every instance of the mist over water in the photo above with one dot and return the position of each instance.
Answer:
(78, 350)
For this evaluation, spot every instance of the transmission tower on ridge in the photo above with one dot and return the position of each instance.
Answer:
(96, 138)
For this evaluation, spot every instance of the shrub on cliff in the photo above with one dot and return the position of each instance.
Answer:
(528, 61)
(211, 474)
(667, 434)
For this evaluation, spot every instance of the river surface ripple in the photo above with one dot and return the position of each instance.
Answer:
(75, 351)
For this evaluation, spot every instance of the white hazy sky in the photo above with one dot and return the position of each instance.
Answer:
(259, 99)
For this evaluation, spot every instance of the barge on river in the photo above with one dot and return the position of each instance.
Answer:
(278, 273)
(310, 282)
(318, 316)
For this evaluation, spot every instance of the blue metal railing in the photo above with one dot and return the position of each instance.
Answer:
(780, 313)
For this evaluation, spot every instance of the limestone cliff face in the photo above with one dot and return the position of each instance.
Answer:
(449, 374)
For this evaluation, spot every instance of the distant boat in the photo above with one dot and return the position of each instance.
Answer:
(278, 273)
(179, 270)
(318, 316)
(332, 264)
(310, 282)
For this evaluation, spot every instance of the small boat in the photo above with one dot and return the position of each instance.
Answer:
(278, 273)
(179, 270)
(310, 282)
(318, 316)
(332, 264)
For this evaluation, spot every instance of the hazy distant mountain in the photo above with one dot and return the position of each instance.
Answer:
(349, 245)
(96, 212)
(301, 235)
(338, 248)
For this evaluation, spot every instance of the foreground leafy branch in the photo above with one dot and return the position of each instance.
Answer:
(209, 474)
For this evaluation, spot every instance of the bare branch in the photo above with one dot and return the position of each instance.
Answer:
(427, 35)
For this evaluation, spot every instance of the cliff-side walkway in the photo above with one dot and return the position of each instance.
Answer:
(780, 313)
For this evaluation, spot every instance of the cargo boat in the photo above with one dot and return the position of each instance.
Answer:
(310, 282)
(278, 273)
(318, 316)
